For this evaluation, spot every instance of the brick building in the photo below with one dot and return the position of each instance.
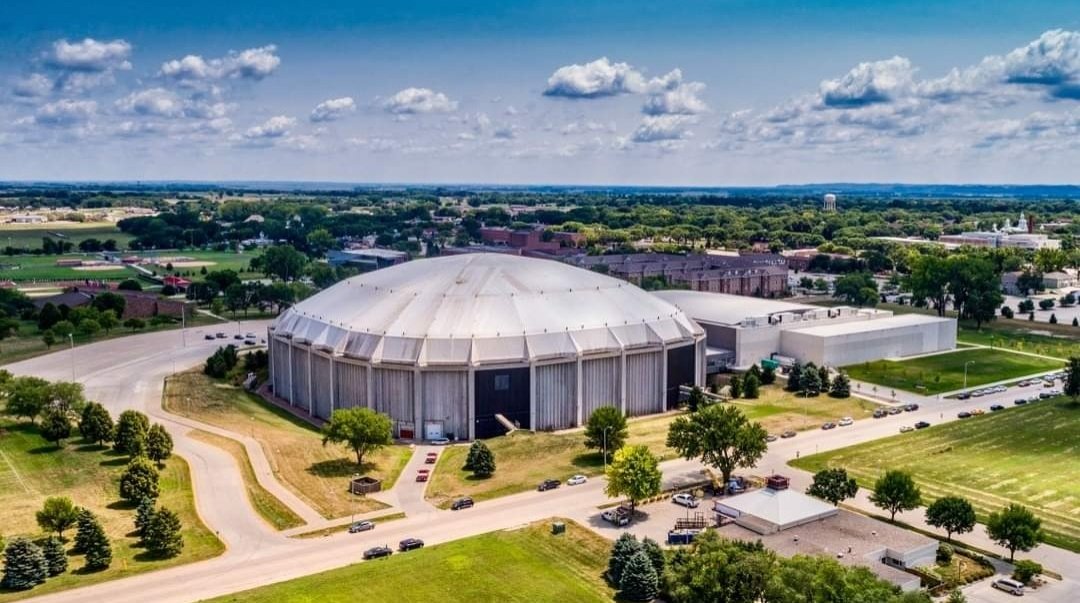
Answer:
(758, 274)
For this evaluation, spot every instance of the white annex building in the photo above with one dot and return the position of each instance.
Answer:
(463, 346)
(742, 331)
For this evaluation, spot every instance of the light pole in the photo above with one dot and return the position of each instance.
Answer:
(71, 340)
(605, 448)
(965, 372)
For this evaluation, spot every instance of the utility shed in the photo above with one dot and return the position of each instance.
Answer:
(768, 511)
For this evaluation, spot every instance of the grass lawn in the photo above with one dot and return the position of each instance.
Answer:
(28, 343)
(275, 512)
(564, 454)
(22, 268)
(778, 410)
(324, 532)
(1023, 341)
(29, 236)
(1025, 455)
(525, 565)
(945, 372)
(318, 474)
(516, 456)
(32, 469)
(215, 260)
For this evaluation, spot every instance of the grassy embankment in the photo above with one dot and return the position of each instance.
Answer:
(564, 454)
(945, 372)
(524, 565)
(317, 474)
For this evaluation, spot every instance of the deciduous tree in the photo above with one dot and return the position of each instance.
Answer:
(95, 423)
(57, 514)
(720, 436)
(1015, 528)
(129, 437)
(159, 444)
(55, 426)
(953, 514)
(139, 481)
(361, 429)
(606, 430)
(633, 473)
(833, 485)
(894, 492)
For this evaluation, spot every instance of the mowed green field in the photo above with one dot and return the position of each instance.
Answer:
(1023, 341)
(528, 565)
(24, 268)
(30, 237)
(1028, 454)
(945, 372)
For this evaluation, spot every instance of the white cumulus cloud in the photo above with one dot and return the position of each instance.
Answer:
(34, 85)
(253, 64)
(90, 55)
(332, 109)
(419, 100)
(154, 101)
(869, 83)
(595, 79)
(275, 127)
(670, 95)
(65, 112)
(656, 128)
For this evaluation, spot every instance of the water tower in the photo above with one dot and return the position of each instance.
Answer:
(830, 202)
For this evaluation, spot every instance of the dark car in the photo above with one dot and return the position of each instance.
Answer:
(249, 342)
(410, 544)
(879, 413)
(1019, 401)
(828, 425)
(238, 336)
(361, 526)
(911, 407)
(922, 425)
(963, 395)
(788, 434)
(548, 484)
(209, 336)
(996, 407)
(963, 414)
(461, 503)
(221, 335)
(378, 552)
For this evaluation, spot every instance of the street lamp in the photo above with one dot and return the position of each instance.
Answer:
(71, 340)
(965, 372)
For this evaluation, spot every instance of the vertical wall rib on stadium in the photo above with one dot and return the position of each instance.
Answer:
(459, 346)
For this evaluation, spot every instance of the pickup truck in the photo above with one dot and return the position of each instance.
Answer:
(619, 516)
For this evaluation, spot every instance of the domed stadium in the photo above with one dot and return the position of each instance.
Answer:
(464, 346)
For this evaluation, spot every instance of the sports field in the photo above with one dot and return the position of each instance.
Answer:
(1023, 454)
(23, 268)
(945, 372)
(32, 469)
(527, 565)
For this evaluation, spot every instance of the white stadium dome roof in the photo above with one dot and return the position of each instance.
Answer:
(482, 309)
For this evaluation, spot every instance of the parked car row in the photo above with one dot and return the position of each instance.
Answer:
(379, 552)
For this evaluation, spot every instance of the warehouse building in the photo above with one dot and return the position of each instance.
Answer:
(464, 346)
(741, 332)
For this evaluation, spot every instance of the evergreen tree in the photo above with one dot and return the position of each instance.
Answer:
(24, 565)
(696, 399)
(139, 481)
(144, 514)
(755, 370)
(841, 386)
(639, 580)
(483, 464)
(1053, 319)
(129, 437)
(626, 545)
(768, 376)
(55, 426)
(751, 386)
(159, 444)
(655, 553)
(470, 458)
(97, 548)
(163, 539)
(84, 521)
(823, 376)
(735, 387)
(794, 379)
(95, 424)
(810, 380)
(55, 556)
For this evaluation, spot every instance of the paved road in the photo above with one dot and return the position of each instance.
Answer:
(128, 373)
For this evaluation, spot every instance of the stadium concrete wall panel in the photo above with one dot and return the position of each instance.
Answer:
(556, 396)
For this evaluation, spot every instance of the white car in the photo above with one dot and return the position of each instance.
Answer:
(439, 442)
(686, 500)
(846, 421)
(906, 428)
(576, 480)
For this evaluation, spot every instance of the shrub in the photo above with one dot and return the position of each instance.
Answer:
(1026, 570)
(944, 553)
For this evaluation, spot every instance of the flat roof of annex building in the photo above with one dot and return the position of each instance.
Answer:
(476, 308)
(724, 309)
(879, 324)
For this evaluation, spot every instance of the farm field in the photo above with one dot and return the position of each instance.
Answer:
(546, 569)
(945, 372)
(565, 454)
(317, 474)
(29, 236)
(1025, 455)
(32, 469)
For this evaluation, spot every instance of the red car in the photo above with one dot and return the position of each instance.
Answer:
(421, 477)
(431, 458)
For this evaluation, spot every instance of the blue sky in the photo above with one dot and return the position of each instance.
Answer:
(683, 93)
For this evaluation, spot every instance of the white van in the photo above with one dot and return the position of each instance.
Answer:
(1009, 586)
